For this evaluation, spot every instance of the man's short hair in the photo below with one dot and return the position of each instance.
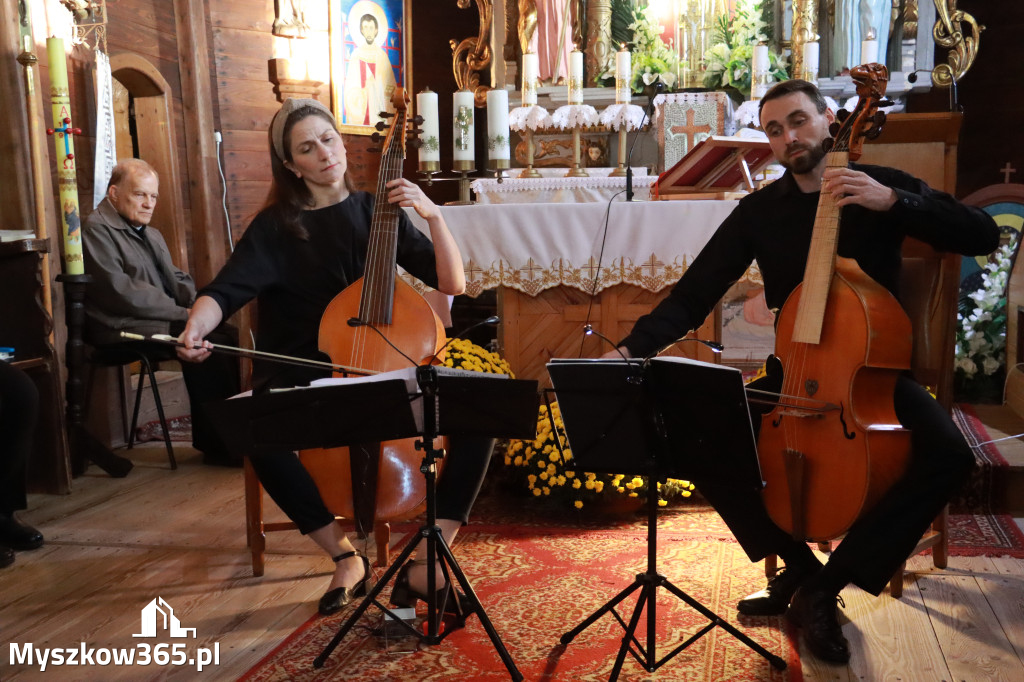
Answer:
(370, 17)
(126, 167)
(789, 87)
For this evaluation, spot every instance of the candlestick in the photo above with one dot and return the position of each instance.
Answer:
(65, 148)
(529, 85)
(430, 147)
(869, 49)
(759, 72)
(623, 74)
(463, 124)
(575, 77)
(497, 129)
(810, 67)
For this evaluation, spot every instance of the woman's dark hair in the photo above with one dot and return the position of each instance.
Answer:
(289, 196)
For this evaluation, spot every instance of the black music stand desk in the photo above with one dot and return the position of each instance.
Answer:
(661, 418)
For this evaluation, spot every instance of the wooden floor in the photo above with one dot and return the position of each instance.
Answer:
(116, 544)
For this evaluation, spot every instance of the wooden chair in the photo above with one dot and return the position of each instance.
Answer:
(929, 291)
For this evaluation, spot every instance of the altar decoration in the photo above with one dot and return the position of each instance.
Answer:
(683, 119)
(464, 354)
(652, 59)
(539, 465)
(730, 60)
(622, 116)
(498, 149)
(526, 120)
(430, 147)
(981, 335)
(574, 117)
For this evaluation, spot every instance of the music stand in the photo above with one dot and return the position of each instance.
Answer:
(705, 434)
(423, 401)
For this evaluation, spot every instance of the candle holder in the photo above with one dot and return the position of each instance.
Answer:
(622, 117)
(498, 167)
(525, 120)
(463, 168)
(428, 169)
(575, 117)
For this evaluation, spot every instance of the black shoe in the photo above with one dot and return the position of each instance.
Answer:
(6, 556)
(774, 599)
(814, 611)
(403, 595)
(17, 535)
(338, 598)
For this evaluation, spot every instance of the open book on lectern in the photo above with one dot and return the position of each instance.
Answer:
(667, 416)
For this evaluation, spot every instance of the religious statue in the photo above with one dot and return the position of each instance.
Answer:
(527, 23)
(290, 21)
(369, 77)
(551, 29)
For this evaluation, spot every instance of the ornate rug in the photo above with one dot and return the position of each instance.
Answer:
(538, 583)
(976, 495)
(179, 428)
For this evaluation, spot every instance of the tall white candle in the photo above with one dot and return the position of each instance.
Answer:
(810, 62)
(623, 75)
(575, 77)
(530, 69)
(497, 125)
(869, 50)
(759, 72)
(430, 149)
(463, 127)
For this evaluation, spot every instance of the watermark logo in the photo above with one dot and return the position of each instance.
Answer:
(158, 620)
(159, 614)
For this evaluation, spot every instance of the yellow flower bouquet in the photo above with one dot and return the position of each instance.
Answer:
(464, 354)
(540, 465)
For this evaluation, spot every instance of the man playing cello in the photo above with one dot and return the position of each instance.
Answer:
(879, 207)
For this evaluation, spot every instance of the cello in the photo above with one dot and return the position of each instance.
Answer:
(378, 323)
(833, 444)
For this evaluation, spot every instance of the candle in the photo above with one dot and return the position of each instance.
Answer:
(759, 72)
(497, 128)
(811, 62)
(623, 74)
(430, 149)
(869, 50)
(530, 68)
(65, 148)
(575, 77)
(463, 128)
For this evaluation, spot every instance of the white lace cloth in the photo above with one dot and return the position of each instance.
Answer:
(533, 247)
(554, 187)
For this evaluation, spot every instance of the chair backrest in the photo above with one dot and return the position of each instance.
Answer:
(929, 292)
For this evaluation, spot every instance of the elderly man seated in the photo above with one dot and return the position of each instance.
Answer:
(136, 288)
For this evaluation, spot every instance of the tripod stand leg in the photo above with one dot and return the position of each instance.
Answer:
(476, 607)
(319, 661)
(776, 662)
(571, 635)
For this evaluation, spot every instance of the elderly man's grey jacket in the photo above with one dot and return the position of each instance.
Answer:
(126, 293)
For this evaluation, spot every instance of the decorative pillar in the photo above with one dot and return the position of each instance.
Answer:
(600, 51)
(805, 24)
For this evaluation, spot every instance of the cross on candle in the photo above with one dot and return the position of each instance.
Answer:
(64, 132)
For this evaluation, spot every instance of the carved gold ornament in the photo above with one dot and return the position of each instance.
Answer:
(473, 55)
(948, 33)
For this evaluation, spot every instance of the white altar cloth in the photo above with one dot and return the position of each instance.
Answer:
(555, 187)
(533, 247)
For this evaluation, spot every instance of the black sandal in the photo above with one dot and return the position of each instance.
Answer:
(338, 598)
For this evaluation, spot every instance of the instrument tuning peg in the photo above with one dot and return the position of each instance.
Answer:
(376, 137)
(416, 131)
(842, 115)
(828, 143)
(873, 132)
(416, 142)
(885, 102)
(381, 125)
(879, 118)
(833, 128)
(418, 120)
(386, 114)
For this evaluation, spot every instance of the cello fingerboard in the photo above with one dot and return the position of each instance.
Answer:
(821, 263)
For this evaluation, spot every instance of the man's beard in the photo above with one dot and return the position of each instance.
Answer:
(806, 163)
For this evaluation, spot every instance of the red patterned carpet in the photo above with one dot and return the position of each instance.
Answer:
(540, 574)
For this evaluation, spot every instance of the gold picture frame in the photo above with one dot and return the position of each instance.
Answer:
(357, 25)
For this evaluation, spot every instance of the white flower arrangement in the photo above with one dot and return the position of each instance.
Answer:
(981, 335)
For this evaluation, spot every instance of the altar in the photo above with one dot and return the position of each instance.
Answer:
(543, 259)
